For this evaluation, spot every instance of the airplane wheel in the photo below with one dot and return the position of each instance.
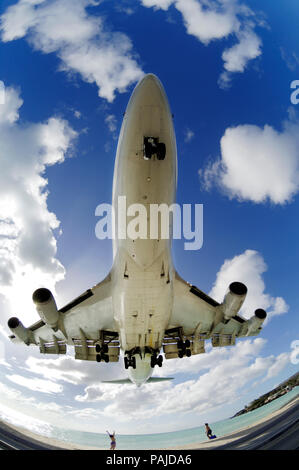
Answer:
(148, 151)
(153, 362)
(160, 360)
(180, 344)
(106, 358)
(134, 362)
(98, 348)
(187, 343)
(126, 363)
(105, 348)
(98, 358)
(161, 151)
(188, 353)
(180, 354)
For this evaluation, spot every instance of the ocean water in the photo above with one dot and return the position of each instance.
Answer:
(158, 440)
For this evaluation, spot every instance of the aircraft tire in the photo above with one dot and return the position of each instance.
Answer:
(161, 151)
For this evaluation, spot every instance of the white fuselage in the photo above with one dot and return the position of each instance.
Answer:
(142, 273)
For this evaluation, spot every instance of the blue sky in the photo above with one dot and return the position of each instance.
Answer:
(226, 67)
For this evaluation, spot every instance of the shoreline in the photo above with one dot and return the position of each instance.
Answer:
(202, 445)
(41, 439)
(240, 433)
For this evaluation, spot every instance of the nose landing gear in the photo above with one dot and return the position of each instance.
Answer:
(152, 146)
(156, 360)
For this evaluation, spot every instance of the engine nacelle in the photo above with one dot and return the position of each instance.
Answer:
(255, 322)
(46, 307)
(18, 329)
(234, 299)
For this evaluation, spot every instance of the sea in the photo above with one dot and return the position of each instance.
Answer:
(150, 441)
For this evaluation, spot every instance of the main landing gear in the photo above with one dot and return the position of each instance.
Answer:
(102, 345)
(184, 348)
(130, 361)
(177, 335)
(152, 146)
(102, 353)
(156, 360)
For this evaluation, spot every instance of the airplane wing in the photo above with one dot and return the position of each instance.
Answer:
(197, 317)
(87, 323)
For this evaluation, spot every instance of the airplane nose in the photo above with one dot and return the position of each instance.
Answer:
(149, 92)
(143, 370)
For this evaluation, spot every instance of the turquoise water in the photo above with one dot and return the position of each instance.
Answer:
(145, 441)
(177, 438)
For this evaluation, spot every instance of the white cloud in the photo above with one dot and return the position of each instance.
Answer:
(248, 268)
(278, 365)
(111, 122)
(214, 20)
(188, 135)
(80, 40)
(28, 245)
(36, 385)
(257, 163)
(162, 4)
(290, 58)
(77, 114)
(68, 369)
(236, 57)
(9, 109)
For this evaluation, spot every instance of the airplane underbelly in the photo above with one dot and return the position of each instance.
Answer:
(143, 296)
(143, 305)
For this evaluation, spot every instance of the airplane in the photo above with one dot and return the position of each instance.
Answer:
(143, 306)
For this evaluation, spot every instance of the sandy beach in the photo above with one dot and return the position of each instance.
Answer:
(255, 429)
(241, 433)
(48, 441)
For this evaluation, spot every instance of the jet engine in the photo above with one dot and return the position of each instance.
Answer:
(46, 307)
(19, 330)
(234, 299)
(255, 322)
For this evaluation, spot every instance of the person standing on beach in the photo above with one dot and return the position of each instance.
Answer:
(208, 431)
(113, 441)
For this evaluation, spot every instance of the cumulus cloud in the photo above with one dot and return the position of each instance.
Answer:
(278, 365)
(211, 20)
(257, 164)
(248, 268)
(27, 228)
(36, 385)
(81, 41)
(68, 369)
(236, 57)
